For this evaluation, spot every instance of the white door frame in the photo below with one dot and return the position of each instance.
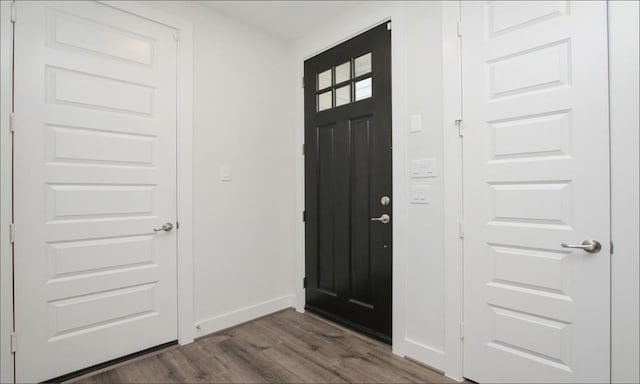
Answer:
(6, 269)
(624, 179)
(184, 202)
(355, 26)
(452, 171)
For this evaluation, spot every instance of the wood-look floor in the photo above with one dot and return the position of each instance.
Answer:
(285, 347)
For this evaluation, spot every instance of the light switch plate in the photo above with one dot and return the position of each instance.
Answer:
(416, 123)
(420, 194)
(423, 168)
(225, 173)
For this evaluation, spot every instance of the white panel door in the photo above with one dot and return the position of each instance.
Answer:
(95, 174)
(536, 175)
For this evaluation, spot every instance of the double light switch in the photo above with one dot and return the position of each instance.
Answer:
(423, 168)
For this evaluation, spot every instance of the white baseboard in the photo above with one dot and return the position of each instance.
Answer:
(458, 379)
(425, 354)
(242, 315)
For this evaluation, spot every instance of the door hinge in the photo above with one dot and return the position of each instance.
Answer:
(304, 216)
(12, 342)
(611, 247)
(304, 282)
(461, 230)
(12, 122)
(12, 233)
(302, 81)
(458, 123)
(459, 28)
(13, 12)
(389, 26)
(304, 150)
(461, 331)
(176, 36)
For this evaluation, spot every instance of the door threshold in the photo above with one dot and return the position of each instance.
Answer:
(348, 325)
(112, 363)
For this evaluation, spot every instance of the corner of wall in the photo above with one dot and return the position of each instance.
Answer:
(243, 315)
(242, 119)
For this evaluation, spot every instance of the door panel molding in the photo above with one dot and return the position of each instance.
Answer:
(348, 167)
(184, 31)
(329, 38)
(536, 173)
(70, 204)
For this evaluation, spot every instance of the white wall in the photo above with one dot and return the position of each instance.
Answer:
(418, 298)
(243, 117)
(625, 171)
(419, 241)
(244, 244)
(248, 249)
(424, 333)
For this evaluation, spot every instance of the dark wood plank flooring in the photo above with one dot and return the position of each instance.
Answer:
(285, 347)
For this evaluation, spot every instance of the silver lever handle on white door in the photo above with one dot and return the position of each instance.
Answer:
(384, 219)
(165, 227)
(591, 246)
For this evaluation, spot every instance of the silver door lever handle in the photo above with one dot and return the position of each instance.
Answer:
(384, 219)
(591, 246)
(165, 227)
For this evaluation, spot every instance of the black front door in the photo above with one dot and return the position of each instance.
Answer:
(348, 183)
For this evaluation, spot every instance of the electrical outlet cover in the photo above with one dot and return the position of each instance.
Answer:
(225, 173)
(420, 194)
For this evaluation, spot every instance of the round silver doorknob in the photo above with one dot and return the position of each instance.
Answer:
(165, 227)
(591, 246)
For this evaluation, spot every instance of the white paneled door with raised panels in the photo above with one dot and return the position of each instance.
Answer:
(95, 174)
(536, 175)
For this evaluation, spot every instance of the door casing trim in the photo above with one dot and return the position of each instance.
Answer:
(185, 285)
(393, 12)
(453, 176)
(622, 260)
(6, 196)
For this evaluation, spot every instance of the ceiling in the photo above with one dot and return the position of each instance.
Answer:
(287, 20)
